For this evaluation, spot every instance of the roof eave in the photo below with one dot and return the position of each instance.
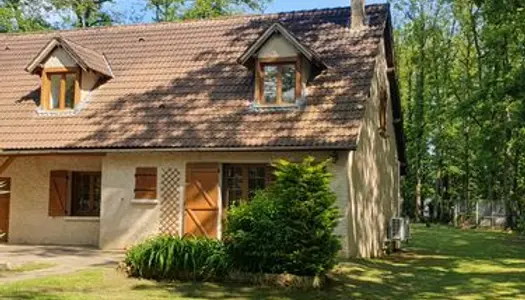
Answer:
(395, 95)
(47, 151)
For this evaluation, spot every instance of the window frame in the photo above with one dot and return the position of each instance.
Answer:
(245, 180)
(46, 87)
(278, 61)
(74, 212)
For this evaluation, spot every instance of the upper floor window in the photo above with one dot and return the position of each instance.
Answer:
(60, 88)
(278, 81)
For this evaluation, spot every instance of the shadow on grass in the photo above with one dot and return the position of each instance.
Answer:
(23, 295)
(440, 263)
(238, 291)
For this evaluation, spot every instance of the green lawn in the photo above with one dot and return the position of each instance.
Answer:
(27, 268)
(440, 263)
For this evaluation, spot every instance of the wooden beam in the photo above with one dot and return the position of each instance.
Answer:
(6, 163)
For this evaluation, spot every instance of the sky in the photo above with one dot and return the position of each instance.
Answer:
(135, 8)
(288, 5)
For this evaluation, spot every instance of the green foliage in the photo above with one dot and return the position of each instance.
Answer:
(520, 225)
(88, 13)
(20, 15)
(173, 10)
(171, 258)
(462, 65)
(288, 228)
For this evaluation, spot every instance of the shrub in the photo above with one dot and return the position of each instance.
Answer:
(289, 227)
(520, 226)
(170, 258)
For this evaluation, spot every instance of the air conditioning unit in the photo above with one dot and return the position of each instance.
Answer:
(399, 229)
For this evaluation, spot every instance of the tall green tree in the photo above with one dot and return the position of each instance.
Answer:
(87, 13)
(173, 10)
(462, 67)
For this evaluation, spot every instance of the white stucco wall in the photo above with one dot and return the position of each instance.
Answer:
(276, 47)
(59, 58)
(374, 177)
(124, 223)
(88, 81)
(29, 221)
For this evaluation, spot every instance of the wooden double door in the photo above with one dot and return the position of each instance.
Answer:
(5, 189)
(201, 203)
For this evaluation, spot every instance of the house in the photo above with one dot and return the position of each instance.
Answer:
(110, 135)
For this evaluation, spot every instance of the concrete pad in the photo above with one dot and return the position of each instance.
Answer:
(66, 259)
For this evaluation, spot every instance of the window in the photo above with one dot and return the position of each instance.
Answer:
(278, 81)
(241, 181)
(60, 88)
(74, 193)
(146, 183)
(86, 191)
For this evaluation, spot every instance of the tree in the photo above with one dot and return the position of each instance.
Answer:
(173, 10)
(462, 66)
(22, 15)
(289, 227)
(88, 13)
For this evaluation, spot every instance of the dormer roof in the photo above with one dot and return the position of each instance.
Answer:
(87, 59)
(277, 28)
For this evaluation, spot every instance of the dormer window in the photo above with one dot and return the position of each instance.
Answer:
(278, 81)
(60, 88)
(282, 65)
(62, 64)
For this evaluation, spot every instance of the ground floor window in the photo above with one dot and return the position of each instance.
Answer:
(86, 194)
(241, 181)
(74, 193)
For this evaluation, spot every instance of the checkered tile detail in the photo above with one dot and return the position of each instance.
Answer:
(170, 189)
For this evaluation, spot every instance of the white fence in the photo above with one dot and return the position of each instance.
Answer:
(482, 213)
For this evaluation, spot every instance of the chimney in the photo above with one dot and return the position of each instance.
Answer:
(358, 14)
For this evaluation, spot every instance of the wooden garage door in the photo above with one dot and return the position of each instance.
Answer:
(201, 209)
(5, 187)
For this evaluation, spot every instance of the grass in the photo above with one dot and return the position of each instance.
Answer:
(440, 263)
(34, 266)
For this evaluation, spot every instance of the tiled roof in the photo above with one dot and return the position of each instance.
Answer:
(91, 59)
(179, 85)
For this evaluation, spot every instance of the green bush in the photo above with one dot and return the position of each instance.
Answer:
(520, 226)
(171, 258)
(289, 227)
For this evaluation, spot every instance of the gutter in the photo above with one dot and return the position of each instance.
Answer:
(164, 150)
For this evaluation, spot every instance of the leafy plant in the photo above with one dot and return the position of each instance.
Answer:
(289, 227)
(170, 258)
(520, 226)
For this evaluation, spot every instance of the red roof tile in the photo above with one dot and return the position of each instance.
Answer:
(178, 85)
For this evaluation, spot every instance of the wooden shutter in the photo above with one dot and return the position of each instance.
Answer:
(146, 183)
(201, 211)
(5, 188)
(58, 192)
